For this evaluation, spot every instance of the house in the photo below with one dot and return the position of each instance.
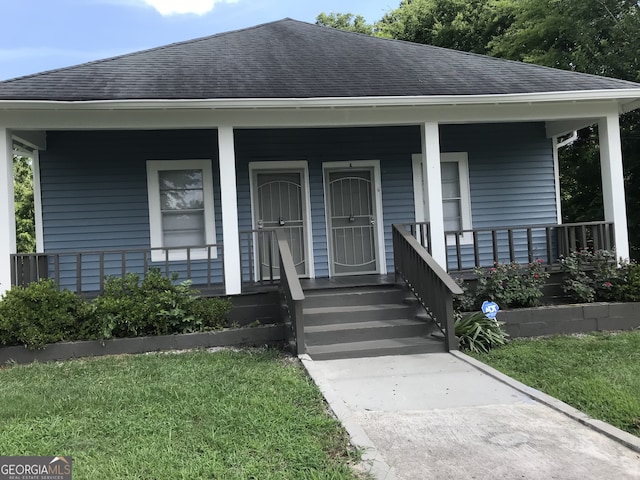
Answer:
(190, 156)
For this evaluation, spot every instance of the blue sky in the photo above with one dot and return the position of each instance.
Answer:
(38, 35)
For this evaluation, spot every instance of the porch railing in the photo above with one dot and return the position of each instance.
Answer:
(291, 294)
(482, 247)
(431, 285)
(259, 265)
(85, 271)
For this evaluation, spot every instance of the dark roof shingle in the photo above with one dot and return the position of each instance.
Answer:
(292, 59)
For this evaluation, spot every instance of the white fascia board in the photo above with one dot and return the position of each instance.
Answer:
(630, 95)
(150, 118)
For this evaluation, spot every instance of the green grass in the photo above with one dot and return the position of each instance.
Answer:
(598, 374)
(197, 415)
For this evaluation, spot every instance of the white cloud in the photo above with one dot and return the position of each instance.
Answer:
(172, 7)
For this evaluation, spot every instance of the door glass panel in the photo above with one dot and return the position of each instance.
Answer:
(353, 240)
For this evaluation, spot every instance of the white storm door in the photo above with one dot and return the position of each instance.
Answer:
(279, 203)
(351, 219)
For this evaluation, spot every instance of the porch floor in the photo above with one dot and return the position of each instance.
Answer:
(309, 284)
(347, 281)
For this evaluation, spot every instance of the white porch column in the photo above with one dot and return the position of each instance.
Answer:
(613, 181)
(7, 212)
(430, 136)
(229, 199)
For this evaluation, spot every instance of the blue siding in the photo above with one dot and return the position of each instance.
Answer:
(94, 195)
(393, 146)
(511, 176)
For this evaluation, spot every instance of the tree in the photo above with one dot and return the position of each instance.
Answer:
(600, 37)
(590, 36)
(467, 25)
(24, 204)
(345, 21)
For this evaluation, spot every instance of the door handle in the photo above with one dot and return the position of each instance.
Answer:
(372, 220)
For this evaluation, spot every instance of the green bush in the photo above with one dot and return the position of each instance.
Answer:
(510, 284)
(592, 276)
(479, 334)
(628, 286)
(155, 306)
(211, 313)
(39, 314)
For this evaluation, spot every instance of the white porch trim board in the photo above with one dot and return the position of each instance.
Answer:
(7, 210)
(197, 114)
(430, 138)
(229, 201)
(556, 178)
(37, 201)
(613, 181)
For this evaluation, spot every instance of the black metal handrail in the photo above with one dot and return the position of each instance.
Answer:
(291, 294)
(430, 284)
(29, 267)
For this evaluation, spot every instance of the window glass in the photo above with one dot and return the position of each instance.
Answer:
(182, 207)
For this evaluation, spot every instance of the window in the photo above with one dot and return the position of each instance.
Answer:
(456, 198)
(181, 210)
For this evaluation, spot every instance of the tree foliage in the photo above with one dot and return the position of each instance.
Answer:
(24, 205)
(599, 37)
(467, 25)
(345, 21)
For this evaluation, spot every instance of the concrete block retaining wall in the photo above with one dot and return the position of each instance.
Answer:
(568, 319)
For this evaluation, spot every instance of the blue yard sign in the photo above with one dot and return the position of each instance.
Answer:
(490, 309)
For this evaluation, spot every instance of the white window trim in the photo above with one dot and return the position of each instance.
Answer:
(294, 165)
(462, 159)
(155, 216)
(381, 259)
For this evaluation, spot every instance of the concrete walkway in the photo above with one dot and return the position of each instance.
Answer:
(446, 416)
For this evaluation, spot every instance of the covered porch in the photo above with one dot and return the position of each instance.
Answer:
(499, 202)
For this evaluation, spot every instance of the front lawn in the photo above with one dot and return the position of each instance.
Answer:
(598, 374)
(197, 415)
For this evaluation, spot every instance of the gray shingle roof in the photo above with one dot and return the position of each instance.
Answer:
(292, 59)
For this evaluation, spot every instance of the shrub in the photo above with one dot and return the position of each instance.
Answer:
(39, 314)
(211, 313)
(628, 287)
(155, 306)
(479, 334)
(466, 301)
(510, 284)
(591, 276)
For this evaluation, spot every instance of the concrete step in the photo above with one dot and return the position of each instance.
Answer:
(376, 348)
(353, 296)
(366, 331)
(356, 313)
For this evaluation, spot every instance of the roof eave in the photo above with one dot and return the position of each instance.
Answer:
(628, 99)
